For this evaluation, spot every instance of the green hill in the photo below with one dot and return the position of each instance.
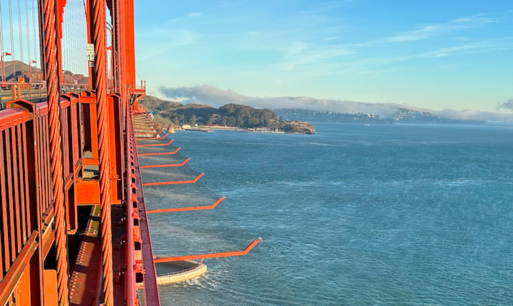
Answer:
(230, 114)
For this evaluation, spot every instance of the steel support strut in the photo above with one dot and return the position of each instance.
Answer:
(211, 255)
(156, 144)
(166, 210)
(162, 153)
(100, 71)
(174, 182)
(49, 32)
(166, 165)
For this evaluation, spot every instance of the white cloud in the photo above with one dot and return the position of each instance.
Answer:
(508, 105)
(211, 95)
(194, 14)
(427, 31)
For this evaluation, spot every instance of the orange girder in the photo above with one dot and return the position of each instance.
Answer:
(211, 255)
(166, 210)
(157, 144)
(166, 165)
(174, 182)
(152, 138)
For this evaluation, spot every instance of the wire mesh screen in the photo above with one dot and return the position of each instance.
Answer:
(230, 280)
(73, 45)
(19, 40)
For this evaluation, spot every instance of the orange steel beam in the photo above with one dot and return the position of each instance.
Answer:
(166, 210)
(174, 182)
(163, 153)
(14, 274)
(212, 255)
(166, 165)
(156, 144)
(152, 138)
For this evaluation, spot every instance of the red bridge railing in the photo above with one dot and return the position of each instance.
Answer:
(27, 213)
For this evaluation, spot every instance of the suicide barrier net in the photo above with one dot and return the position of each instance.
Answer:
(241, 280)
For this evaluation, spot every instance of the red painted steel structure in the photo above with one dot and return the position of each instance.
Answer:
(166, 165)
(162, 153)
(50, 154)
(98, 11)
(51, 58)
(167, 210)
(73, 221)
(212, 255)
(153, 138)
(156, 144)
(174, 182)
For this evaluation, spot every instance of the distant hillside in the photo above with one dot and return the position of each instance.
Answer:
(324, 116)
(17, 69)
(155, 104)
(402, 115)
(236, 115)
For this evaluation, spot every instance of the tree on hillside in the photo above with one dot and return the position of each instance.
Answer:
(192, 120)
(253, 121)
(231, 120)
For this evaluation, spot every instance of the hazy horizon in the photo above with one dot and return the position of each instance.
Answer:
(442, 55)
(211, 95)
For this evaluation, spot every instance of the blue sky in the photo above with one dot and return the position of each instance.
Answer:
(432, 54)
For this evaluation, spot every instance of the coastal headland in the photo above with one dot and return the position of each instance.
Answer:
(175, 116)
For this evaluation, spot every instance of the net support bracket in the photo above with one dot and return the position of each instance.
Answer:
(162, 153)
(166, 210)
(152, 138)
(211, 255)
(174, 182)
(166, 165)
(156, 144)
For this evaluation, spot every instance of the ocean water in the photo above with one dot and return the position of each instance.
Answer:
(354, 215)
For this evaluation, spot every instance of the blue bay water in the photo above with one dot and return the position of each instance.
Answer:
(362, 215)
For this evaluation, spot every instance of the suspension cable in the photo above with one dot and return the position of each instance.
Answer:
(52, 83)
(36, 57)
(13, 63)
(99, 13)
(28, 38)
(21, 40)
(2, 44)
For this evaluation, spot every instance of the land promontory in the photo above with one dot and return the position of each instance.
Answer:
(229, 116)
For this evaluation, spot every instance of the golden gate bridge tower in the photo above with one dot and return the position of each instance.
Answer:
(73, 222)
(73, 225)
